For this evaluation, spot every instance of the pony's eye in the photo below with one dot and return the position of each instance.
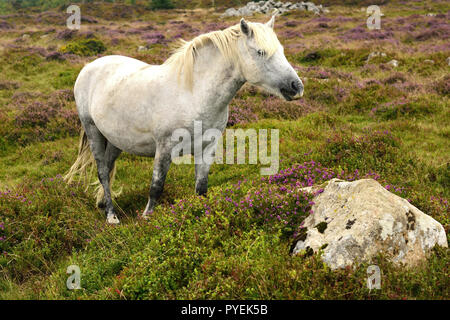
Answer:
(261, 53)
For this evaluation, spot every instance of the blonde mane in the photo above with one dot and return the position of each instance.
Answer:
(183, 59)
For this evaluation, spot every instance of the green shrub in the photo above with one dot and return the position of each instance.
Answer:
(84, 47)
(332, 57)
(161, 4)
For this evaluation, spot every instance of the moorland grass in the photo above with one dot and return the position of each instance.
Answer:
(358, 119)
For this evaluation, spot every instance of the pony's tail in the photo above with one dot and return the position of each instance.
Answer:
(85, 166)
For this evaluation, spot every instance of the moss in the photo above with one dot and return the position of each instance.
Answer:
(321, 227)
(350, 223)
(308, 252)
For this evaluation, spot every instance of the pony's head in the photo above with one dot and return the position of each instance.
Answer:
(253, 48)
(263, 63)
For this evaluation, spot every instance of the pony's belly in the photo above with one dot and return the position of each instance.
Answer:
(147, 148)
(138, 143)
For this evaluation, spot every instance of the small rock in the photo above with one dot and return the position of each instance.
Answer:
(375, 54)
(231, 12)
(428, 61)
(268, 7)
(25, 36)
(355, 221)
(448, 61)
(142, 48)
(244, 11)
(393, 63)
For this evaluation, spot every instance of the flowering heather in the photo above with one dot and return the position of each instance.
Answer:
(154, 38)
(442, 86)
(291, 23)
(66, 34)
(185, 27)
(50, 17)
(312, 173)
(5, 25)
(275, 108)
(55, 55)
(63, 95)
(241, 112)
(292, 34)
(36, 121)
(362, 33)
(436, 28)
(177, 35)
(434, 48)
(35, 114)
(88, 19)
(394, 78)
(249, 203)
(148, 27)
(409, 87)
(215, 26)
(38, 51)
(278, 200)
(341, 93)
(133, 31)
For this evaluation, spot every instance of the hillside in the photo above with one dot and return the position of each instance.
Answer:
(359, 117)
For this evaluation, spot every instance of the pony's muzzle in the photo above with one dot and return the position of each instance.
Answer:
(297, 86)
(293, 91)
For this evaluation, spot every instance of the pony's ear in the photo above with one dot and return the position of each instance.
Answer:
(271, 22)
(245, 28)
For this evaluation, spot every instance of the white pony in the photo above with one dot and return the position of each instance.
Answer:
(127, 105)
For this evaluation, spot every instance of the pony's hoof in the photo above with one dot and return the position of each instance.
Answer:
(146, 215)
(111, 218)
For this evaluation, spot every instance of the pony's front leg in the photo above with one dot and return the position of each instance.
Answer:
(160, 167)
(202, 169)
(201, 178)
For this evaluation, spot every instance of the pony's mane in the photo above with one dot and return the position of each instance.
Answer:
(183, 59)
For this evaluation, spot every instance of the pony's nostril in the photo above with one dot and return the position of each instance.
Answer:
(295, 85)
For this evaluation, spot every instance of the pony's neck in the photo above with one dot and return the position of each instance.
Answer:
(214, 76)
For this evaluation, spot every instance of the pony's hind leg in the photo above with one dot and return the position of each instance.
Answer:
(105, 154)
(111, 154)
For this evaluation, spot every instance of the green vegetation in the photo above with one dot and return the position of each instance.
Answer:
(161, 4)
(358, 118)
(84, 47)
